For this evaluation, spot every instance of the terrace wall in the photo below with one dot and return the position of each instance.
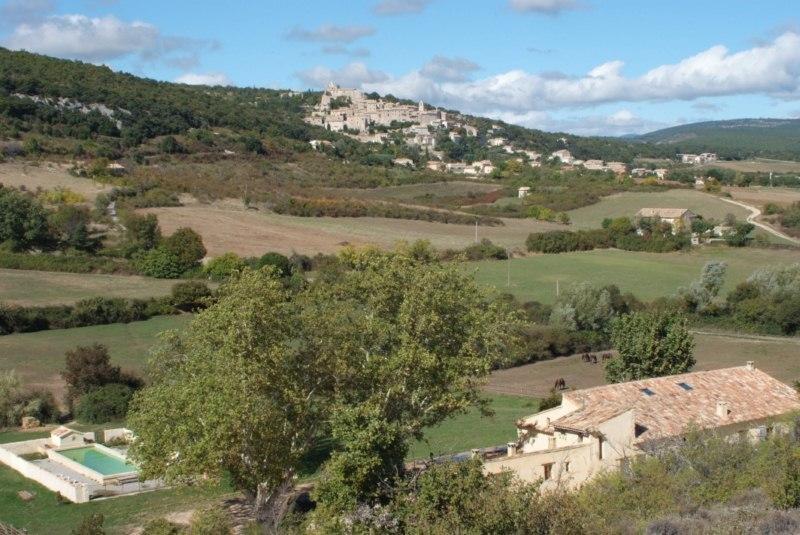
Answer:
(77, 494)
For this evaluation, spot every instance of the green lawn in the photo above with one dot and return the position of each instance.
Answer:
(18, 436)
(646, 275)
(472, 430)
(39, 357)
(628, 203)
(35, 288)
(45, 515)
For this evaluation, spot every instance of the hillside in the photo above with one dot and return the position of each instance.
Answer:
(733, 139)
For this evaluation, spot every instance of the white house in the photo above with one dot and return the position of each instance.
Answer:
(564, 155)
(523, 192)
(678, 218)
(64, 437)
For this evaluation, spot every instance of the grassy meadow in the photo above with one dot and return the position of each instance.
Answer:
(38, 288)
(472, 430)
(646, 275)
(628, 203)
(38, 357)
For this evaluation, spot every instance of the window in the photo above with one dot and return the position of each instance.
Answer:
(648, 392)
(600, 448)
(548, 470)
(566, 466)
(685, 386)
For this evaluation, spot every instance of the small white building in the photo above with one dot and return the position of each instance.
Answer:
(564, 155)
(523, 192)
(403, 162)
(64, 437)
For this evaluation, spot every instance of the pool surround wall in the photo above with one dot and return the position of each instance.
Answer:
(56, 456)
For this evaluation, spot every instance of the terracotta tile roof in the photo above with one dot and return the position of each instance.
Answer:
(664, 408)
(668, 213)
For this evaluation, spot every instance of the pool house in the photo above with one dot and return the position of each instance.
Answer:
(77, 465)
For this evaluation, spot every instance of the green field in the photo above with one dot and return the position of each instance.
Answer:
(39, 357)
(44, 514)
(30, 288)
(464, 432)
(628, 203)
(646, 275)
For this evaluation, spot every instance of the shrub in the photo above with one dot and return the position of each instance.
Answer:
(210, 522)
(104, 404)
(282, 264)
(160, 526)
(91, 524)
(190, 296)
(223, 266)
(485, 250)
(159, 263)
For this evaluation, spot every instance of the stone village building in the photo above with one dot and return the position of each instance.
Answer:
(601, 428)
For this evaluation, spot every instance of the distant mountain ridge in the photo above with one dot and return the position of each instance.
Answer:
(734, 138)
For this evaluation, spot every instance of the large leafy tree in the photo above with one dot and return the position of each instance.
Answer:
(23, 220)
(370, 354)
(650, 344)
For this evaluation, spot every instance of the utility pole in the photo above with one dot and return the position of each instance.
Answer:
(558, 290)
(476, 231)
(770, 179)
(508, 269)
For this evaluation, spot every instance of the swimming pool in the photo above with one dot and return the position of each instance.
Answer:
(100, 461)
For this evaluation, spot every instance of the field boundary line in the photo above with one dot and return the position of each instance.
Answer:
(744, 336)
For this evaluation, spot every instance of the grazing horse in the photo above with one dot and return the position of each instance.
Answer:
(586, 357)
(560, 384)
(594, 359)
(606, 356)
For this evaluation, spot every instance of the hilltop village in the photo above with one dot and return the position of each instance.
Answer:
(369, 118)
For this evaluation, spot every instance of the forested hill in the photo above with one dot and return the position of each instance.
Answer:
(737, 138)
(75, 108)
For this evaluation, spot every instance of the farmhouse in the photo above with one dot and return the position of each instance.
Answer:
(678, 218)
(564, 155)
(601, 428)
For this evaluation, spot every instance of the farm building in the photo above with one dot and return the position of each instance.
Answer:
(678, 218)
(601, 428)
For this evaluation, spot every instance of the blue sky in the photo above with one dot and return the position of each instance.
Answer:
(584, 66)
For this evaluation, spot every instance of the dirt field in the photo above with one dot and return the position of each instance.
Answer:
(759, 196)
(229, 227)
(48, 176)
(777, 357)
(762, 165)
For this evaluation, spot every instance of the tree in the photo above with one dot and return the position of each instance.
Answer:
(170, 145)
(190, 296)
(186, 246)
(282, 264)
(141, 231)
(260, 376)
(650, 344)
(740, 236)
(72, 225)
(701, 293)
(88, 367)
(104, 404)
(584, 307)
(23, 220)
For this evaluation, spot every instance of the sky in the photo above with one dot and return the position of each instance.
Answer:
(608, 67)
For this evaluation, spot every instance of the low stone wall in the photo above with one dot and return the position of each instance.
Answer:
(74, 493)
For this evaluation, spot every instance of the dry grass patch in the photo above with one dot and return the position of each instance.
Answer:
(48, 175)
(228, 226)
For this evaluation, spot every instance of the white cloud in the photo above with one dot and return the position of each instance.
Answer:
(209, 78)
(771, 69)
(549, 7)
(400, 7)
(352, 75)
(100, 39)
(358, 52)
(444, 69)
(330, 33)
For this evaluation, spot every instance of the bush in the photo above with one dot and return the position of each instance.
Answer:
(160, 526)
(222, 267)
(485, 250)
(282, 264)
(210, 522)
(104, 404)
(91, 524)
(159, 263)
(190, 296)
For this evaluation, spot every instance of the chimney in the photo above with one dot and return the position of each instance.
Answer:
(751, 365)
(512, 448)
(722, 409)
